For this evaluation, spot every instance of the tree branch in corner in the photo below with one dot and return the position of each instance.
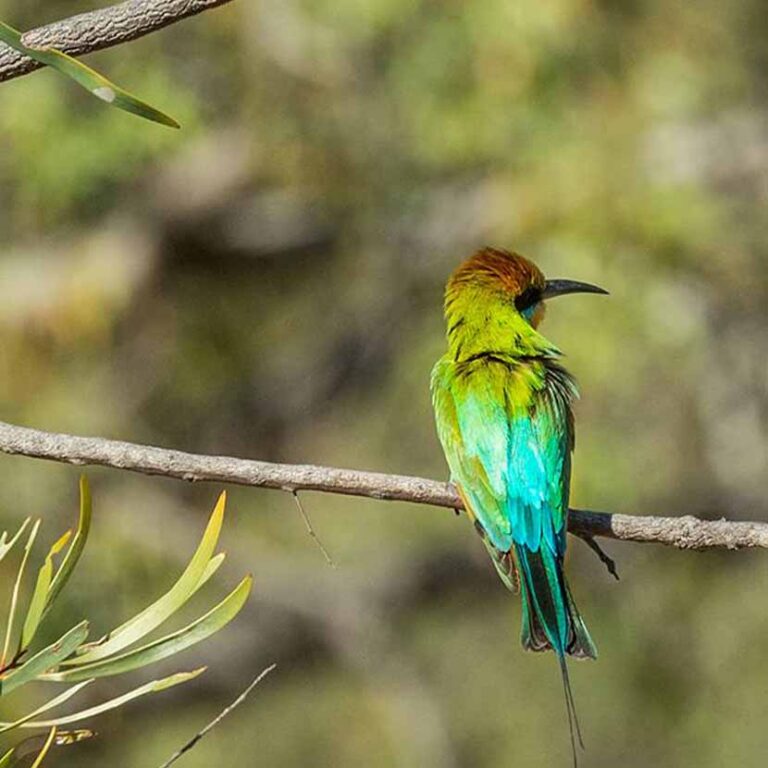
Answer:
(103, 28)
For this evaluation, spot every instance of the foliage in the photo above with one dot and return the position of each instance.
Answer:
(70, 659)
(88, 78)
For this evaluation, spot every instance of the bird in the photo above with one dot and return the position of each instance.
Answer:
(503, 411)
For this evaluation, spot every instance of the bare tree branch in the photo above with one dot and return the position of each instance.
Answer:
(216, 720)
(99, 29)
(311, 530)
(683, 532)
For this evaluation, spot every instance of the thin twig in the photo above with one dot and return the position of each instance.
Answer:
(604, 558)
(216, 720)
(311, 530)
(102, 28)
(683, 532)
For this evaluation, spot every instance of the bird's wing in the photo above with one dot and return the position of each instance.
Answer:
(506, 433)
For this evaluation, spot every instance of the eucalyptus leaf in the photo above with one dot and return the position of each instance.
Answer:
(213, 565)
(152, 617)
(37, 603)
(44, 751)
(57, 701)
(15, 594)
(75, 548)
(48, 658)
(169, 645)
(153, 687)
(27, 751)
(40, 595)
(112, 655)
(88, 78)
(6, 546)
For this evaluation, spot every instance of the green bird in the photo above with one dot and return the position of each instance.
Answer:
(503, 410)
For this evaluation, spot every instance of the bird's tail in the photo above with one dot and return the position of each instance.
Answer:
(551, 619)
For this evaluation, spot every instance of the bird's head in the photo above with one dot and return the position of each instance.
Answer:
(515, 279)
(496, 293)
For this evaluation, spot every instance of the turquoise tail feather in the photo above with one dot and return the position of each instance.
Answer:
(551, 620)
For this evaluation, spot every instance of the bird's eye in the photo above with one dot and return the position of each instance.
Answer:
(527, 298)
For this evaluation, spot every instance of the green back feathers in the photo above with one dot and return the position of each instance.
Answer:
(506, 432)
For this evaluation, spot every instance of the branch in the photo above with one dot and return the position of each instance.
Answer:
(216, 720)
(99, 29)
(683, 532)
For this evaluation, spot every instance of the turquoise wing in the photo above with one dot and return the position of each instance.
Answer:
(507, 438)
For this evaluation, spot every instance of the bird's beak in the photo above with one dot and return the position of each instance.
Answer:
(554, 288)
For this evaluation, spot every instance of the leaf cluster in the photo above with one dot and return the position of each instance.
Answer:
(71, 659)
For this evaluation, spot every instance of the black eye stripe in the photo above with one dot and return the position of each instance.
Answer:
(527, 298)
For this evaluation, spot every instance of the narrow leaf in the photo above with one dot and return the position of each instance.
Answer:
(88, 78)
(154, 687)
(6, 546)
(169, 645)
(5, 760)
(76, 547)
(44, 751)
(152, 617)
(49, 705)
(44, 660)
(213, 565)
(37, 603)
(15, 594)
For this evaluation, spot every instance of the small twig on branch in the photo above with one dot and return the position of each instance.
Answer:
(683, 532)
(311, 530)
(605, 559)
(103, 28)
(224, 712)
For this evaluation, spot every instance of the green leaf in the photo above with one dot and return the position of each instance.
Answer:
(37, 603)
(169, 645)
(49, 658)
(49, 705)
(44, 751)
(40, 595)
(75, 548)
(26, 751)
(213, 565)
(88, 78)
(153, 687)
(6, 546)
(5, 760)
(195, 574)
(15, 594)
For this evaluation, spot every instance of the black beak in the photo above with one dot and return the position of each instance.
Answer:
(554, 288)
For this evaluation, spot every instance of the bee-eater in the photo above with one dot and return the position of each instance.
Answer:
(503, 409)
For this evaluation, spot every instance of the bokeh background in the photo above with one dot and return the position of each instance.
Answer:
(267, 283)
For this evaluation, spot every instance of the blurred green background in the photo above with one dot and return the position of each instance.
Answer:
(267, 283)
